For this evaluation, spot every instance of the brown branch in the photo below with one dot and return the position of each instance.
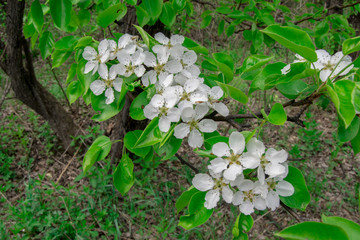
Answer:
(291, 212)
(205, 3)
(187, 163)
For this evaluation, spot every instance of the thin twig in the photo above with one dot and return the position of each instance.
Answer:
(66, 167)
(291, 212)
(58, 82)
(6, 92)
(187, 163)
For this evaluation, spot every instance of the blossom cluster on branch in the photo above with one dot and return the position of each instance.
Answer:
(260, 190)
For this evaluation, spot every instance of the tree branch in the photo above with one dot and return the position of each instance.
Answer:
(187, 163)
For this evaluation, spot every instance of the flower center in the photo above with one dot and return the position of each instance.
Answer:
(185, 96)
(234, 159)
(163, 111)
(271, 184)
(193, 125)
(159, 68)
(329, 66)
(249, 195)
(219, 184)
(98, 58)
(130, 68)
(263, 161)
(108, 83)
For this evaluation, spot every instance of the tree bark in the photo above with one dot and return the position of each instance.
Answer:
(23, 79)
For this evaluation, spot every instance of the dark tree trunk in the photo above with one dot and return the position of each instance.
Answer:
(23, 80)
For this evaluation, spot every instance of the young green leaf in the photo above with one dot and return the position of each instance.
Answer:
(198, 214)
(60, 11)
(153, 8)
(151, 135)
(98, 150)
(233, 92)
(124, 176)
(130, 139)
(109, 15)
(46, 44)
(167, 15)
(74, 91)
(277, 115)
(351, 228)
(301, 197)
(294, 39)
(225, 64)
(185, 198)
(347, 134)
(351, 45)
(37, 15)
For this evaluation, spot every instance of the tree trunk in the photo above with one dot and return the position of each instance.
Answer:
(23, 80)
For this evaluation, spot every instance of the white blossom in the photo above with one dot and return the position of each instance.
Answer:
(214, 94)
(192, 125)
(130, 64)
(163, 106)
(126, 42)
(94, 58)
(215, 185)
(228, 158)
(107, 83)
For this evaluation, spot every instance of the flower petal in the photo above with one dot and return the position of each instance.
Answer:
(150, 59)
(203, 182)
(97, 87)
(89, 53)
(200, 111)
(117, 84)
(139, 71)
(181, 130)
(103, 71)
(195, 139)
(247, 207)
(276, 156)
(124, 40)
(161, 38)
(221, 149)
(284, 188)
(274, 169)
(227, 194)
(255, 147)
(103, 46)
(207, 125)
(187, 114)
(221, 108)
(237, 142)
(123, 57)
(189, 58)
(164, 124)
(176, 39)
(218, 165)
(173, 66)
(150, 112)
(249, 160)
(191, 85)
(216, 92)
(174, 114)
(157, 101)
(259, 203)
(238, 198)
(109, 94)
(212, 197)
(272, 200)
(165, 79)
(90, 66)
(232, 172)
(246, 185)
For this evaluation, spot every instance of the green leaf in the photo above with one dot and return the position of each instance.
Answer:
(294, 39)
(347, 134)
(225, 64)
(83, 42)
(254, 62)
(131, 2)
(60, 11)
(142, 16)
(192, 45)
(351, 45)
(151, 135)
(130, 139)
(233, 92)
(221, 27)
(59, 57)
(46, 43)
(109, 15)
(74, 91)
(71, 73)
(98, 151)
(29, 30)
(277, 115)
(153, 7)
(167, 15)
(179, 5)
(84, 17)
(198, 213)
(124, 176)
(66, 43)
(168, 149)
(206, 21)
(137, 105)
(37, 15)
(301, 197)
(351, 229)
(342, 95)
(148, 40)
(85, 79)
(355, 143)
(266, 78)
(313, 231)
(292, 89)
(185, 198)
(243, 223)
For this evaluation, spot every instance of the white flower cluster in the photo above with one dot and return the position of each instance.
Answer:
(329, 66)
(130, 55)
(180, 92)
(226, 175)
